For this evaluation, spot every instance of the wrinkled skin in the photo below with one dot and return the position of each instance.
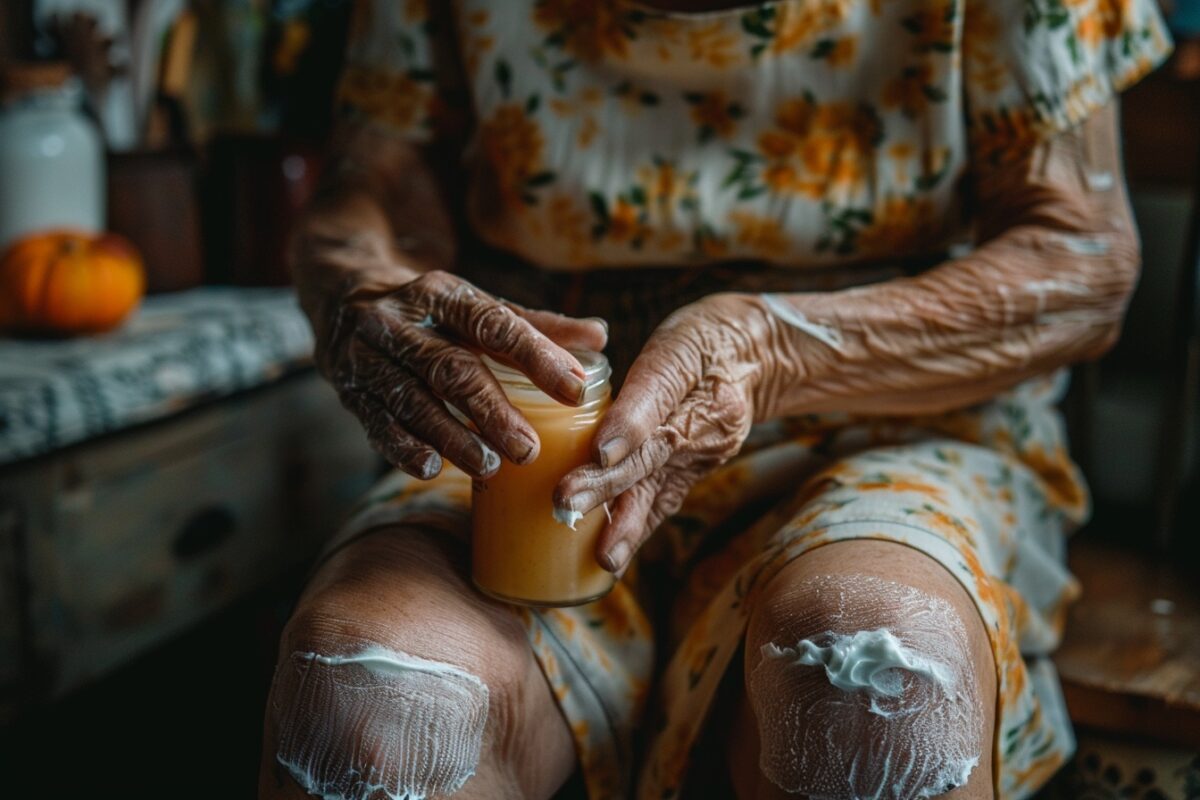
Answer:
(396, 335)
(1047, 286)
(685, 408)
(371, 263)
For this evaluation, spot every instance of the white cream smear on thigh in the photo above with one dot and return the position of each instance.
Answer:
(378, 723)
(906, 720)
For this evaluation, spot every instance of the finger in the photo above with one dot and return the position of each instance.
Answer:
(456, 375)
(410, 403)
(390, 440)
(659, 379)
(622, 537)
(586, 487)
(673, 489)
(590, 333)
(479, 319)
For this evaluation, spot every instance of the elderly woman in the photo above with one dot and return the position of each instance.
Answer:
(840, 252)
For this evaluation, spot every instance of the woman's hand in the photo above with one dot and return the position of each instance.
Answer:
(684, 409)
(395, 353)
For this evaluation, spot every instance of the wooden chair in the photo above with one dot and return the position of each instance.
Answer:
(1130, 660)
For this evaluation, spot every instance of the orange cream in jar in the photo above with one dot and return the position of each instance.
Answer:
(520, 551)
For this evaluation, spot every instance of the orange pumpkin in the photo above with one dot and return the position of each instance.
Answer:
(69, 282)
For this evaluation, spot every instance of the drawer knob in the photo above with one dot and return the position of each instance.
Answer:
(204, 531)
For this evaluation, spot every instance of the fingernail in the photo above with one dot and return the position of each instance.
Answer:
(573, 389)
(432, 466)
(618, 554)
(489, 458)
(613, 451)
(602, 321)
(520, 448)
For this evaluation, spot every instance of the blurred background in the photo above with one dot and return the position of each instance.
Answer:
(169, 461)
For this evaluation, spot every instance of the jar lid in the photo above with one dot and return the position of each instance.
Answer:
(23, 77)
(596, 371)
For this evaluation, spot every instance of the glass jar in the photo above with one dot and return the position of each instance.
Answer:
(51, 155)
(521, 552)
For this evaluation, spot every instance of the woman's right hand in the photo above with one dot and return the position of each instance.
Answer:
(395, 354)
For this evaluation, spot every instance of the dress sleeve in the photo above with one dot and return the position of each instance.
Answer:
(1033, 68)
(401, 69)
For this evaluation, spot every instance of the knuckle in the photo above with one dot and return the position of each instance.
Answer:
(452, 371)
(433, 282)
(487, 407)
(494, 326)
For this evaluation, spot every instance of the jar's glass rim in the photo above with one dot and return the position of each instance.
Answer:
(596, 369)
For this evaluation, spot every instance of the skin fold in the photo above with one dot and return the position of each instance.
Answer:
(1047, 286)
(396, 332)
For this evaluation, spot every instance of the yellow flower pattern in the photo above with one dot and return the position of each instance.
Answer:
(786, 110)
(802, 133)
(986, 492)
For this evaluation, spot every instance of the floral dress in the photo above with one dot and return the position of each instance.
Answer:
(621, 161)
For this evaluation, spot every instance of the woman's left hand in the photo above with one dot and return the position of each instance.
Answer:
(684, 409)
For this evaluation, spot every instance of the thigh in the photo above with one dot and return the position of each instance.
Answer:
(790, 714)
(404, 589)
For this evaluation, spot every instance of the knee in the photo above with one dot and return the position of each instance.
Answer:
(397, 690)
(862, 686)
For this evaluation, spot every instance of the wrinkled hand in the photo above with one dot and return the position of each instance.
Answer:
(684, 409)
(395, 355)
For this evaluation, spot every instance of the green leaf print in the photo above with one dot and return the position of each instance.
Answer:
(844, 226)
(531, 105)
(1073, 48)
(755, 23)
(930, 180)
(936, 94)
(823, 48)
(503, 74)
(599, 207)
(540, 179)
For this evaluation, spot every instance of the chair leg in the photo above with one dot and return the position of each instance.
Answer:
(1183, 377)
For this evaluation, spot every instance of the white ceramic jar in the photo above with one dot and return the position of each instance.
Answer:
(52, 172)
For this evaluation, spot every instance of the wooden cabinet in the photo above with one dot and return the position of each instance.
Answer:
(113, 546)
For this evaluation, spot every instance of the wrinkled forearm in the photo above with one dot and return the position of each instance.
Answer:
(1048, 286)
(377, 221)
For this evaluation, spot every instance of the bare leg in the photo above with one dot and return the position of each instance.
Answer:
(404, 591)
(796, 730)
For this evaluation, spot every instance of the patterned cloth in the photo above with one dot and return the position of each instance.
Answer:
(800, 132)
(176, 351)
(815, 135)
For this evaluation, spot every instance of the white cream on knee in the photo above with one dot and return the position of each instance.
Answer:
(351, 726)
(863, 712)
